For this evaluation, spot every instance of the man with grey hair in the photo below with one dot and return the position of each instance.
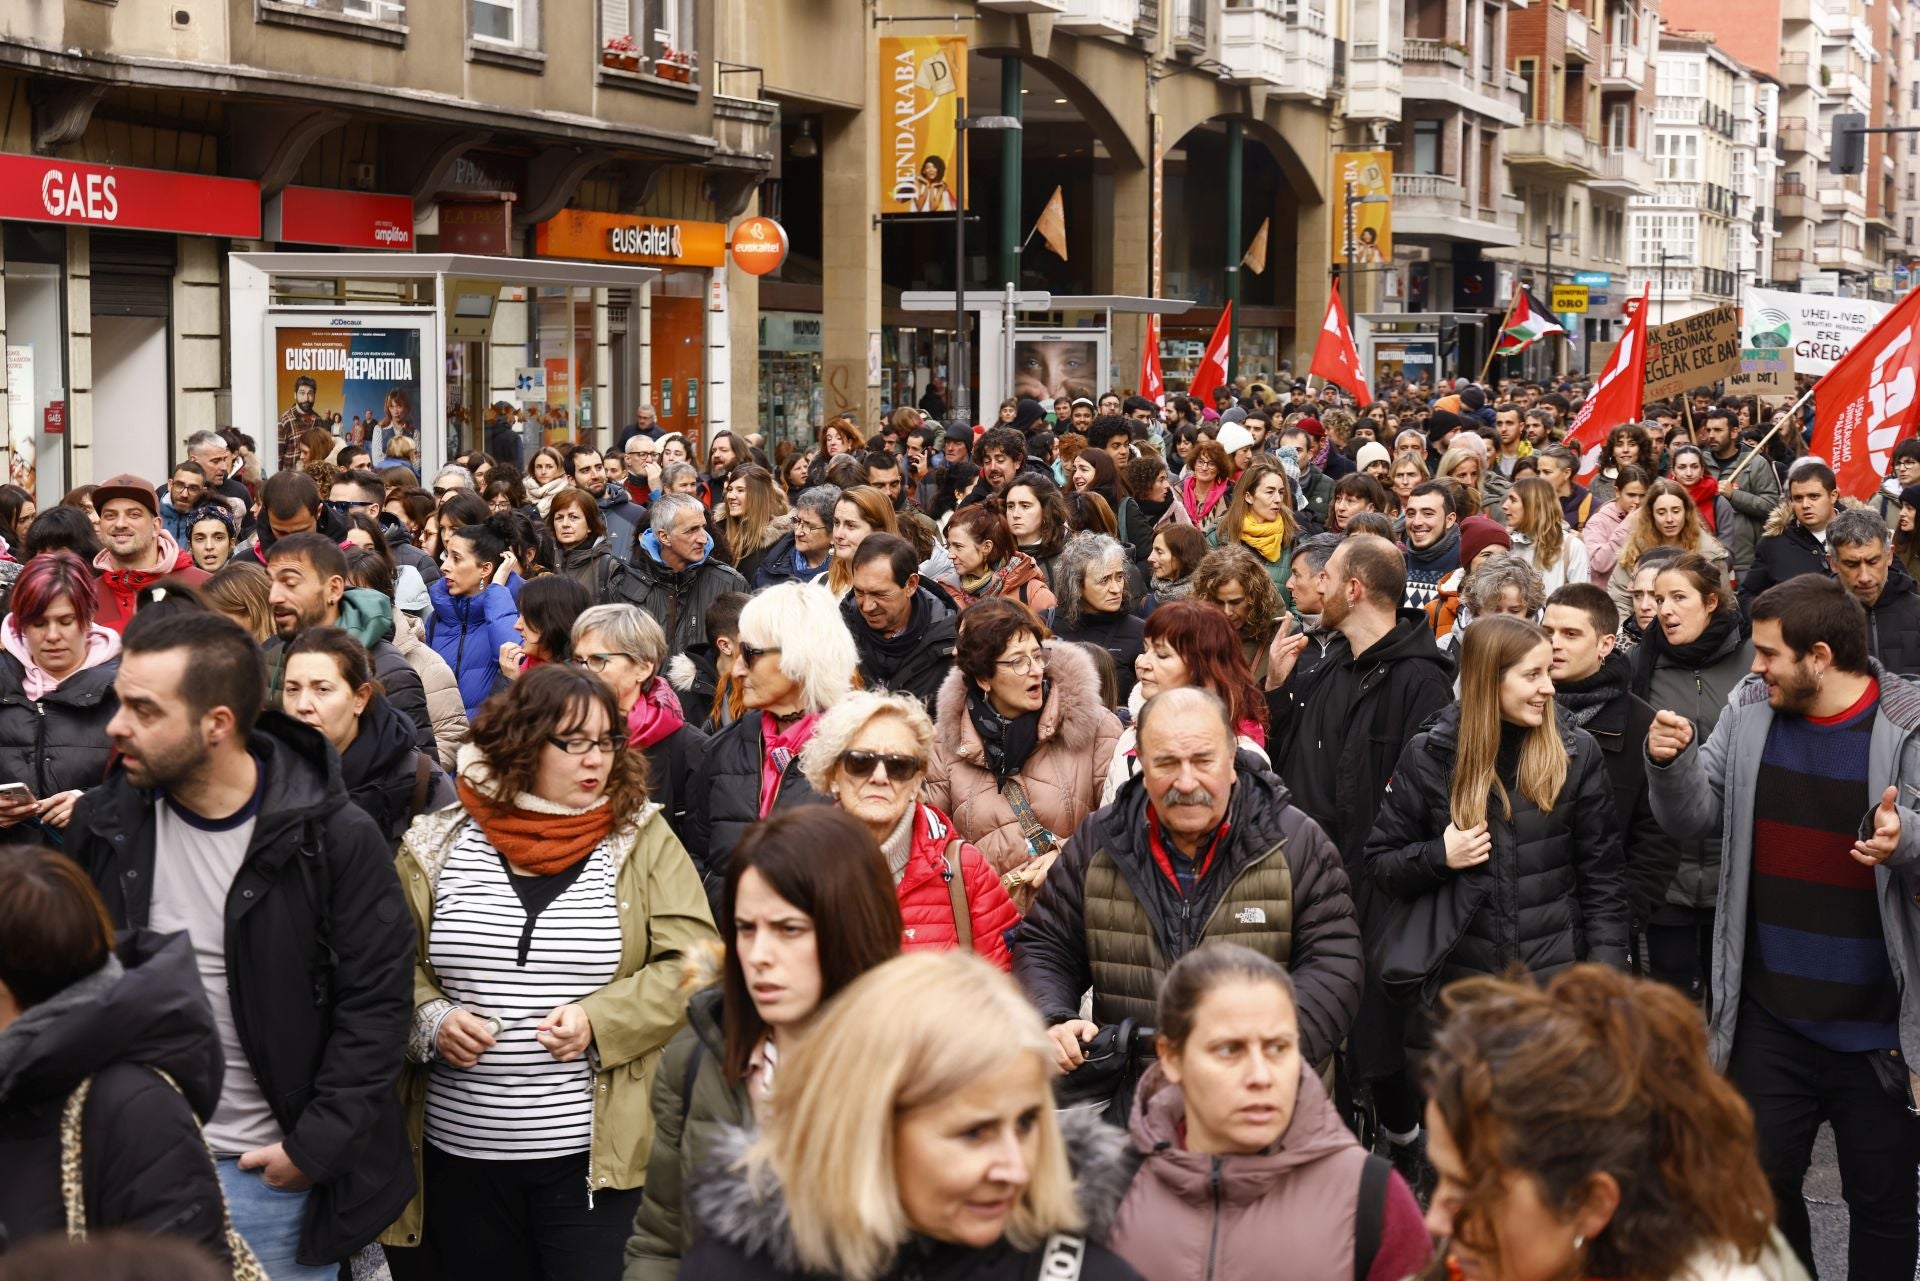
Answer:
(1861, 553)
(1193, 850)
(209, 449)
(1307, 585)
(804, 552)
(673, 575)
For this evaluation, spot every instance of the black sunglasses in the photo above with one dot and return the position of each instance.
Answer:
(750, 655)
(899, 768)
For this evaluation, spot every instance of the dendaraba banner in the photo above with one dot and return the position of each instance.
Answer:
(922, 79)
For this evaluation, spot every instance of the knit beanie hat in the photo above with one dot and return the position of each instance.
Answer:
(1372, 452)
(1477, 533)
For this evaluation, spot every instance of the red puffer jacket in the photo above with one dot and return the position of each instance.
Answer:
(926, 903)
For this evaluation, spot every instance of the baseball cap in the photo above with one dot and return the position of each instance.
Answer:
(126, 485)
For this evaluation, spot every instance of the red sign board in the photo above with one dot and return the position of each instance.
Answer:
(54, 418)
(476, 227)
(352, 219)
(34, 189)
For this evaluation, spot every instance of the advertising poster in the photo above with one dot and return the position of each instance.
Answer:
(1817, 328)
(921, 77)
(1050, 365)
(1371, 174)
(22, 447)
(370, 374)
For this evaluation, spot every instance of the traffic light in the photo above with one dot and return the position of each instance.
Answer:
(1848, 152)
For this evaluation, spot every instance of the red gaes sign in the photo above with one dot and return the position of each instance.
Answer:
(34, 189)
(351, 219)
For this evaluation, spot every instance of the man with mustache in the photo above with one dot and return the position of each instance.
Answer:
(1196, 848)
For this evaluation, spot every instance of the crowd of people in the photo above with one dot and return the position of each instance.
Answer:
(1114, 841)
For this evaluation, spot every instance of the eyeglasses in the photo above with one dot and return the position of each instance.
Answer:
(342, 507)
(581, 746)
(1031, 661)
(441, 491)
(598, 662)
(899, 768)
(749, 655)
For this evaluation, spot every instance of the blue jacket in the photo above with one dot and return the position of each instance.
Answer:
(468, 632)
(177, 522)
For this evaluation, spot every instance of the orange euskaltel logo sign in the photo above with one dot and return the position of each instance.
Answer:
(759, 246)
(609, 237)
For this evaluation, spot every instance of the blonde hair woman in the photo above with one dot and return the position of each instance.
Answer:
(1667, 518)
(1465, 467)
(1538, 529)
(1260, 518)
(1497, 837)
(948, 1158)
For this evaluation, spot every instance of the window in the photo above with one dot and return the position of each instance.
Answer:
(505, 22)
(1489, 44)
(1530, 96)
(1620, 127)
(1676, 156)
(1426, 146)
(1681, 77)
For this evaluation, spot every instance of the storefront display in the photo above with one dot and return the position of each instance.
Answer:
(791, 395)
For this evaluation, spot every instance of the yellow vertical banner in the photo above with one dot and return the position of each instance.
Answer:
(1371, 174)
(921, 80)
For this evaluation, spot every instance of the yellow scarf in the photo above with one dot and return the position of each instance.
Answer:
(1269, 537)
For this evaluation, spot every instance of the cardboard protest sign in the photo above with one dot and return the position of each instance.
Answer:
(1701, 348)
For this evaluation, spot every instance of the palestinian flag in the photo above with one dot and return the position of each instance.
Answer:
(1524, 326)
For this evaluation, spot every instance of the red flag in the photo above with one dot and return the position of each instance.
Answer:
(1213, 366)
(1616, 397)
(1866, 404)
(1335, 358)
(1153, 384)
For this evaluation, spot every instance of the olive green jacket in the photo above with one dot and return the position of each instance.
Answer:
(663, 914)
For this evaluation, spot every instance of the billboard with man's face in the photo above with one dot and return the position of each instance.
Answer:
(1048, 365)
(370, 377)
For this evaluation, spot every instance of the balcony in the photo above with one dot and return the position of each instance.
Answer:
(746, 126)
(1842, 198)
(1435, 205)
(1623, 171)
(1796, 137)
(1282, 45)
(1095, 17)
(1624, 67)
(1816, 12)
(1439, 71)
(1024, 6)
(1579, 36)
(1373, 81)
(1421, 49)
(1798, 72)
(1558, 149)
(1790, 200)
(1190, 25)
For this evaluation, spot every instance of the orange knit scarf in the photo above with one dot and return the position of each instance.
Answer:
(538, 843)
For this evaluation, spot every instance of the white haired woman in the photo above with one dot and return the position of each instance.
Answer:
(1091, 582)
(948, 1160)
(625, 648)
(792, 661)
(870, 752)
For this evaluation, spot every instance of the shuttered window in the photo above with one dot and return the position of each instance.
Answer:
(132, 274)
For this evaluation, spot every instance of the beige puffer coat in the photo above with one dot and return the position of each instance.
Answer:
(1062, 779)
(444, 706)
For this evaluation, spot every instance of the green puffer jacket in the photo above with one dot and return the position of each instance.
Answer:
(693, 1105)
(663, 917)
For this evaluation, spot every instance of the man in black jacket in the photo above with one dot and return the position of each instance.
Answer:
(674, 576)
(1864, 563)
(234, 827)
(1590, 685)
(1795, 541)
(904, 630)
(1194, 849)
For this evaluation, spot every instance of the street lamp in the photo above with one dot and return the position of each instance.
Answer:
(1346, 273)
(957, 369)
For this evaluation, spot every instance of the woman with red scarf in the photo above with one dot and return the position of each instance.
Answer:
(625, 648)
(1203, 491)
(1690, 472)
(555, 911)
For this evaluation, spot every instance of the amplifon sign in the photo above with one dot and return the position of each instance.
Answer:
(607, 237)
(351, 219)
(34, 189)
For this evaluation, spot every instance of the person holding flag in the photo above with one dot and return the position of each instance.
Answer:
(1522, 328)
(1616, 396)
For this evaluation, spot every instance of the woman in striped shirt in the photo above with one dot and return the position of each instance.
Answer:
(554, 908)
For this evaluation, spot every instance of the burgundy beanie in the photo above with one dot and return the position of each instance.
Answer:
(1477, 533)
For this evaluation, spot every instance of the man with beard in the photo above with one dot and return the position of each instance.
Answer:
(904, 633)
(1307, 587)
(1811, 774)
(1863, 561)
(1001, 453)
(299, 417)
(1337, 733)
(1433, 541)
(1753, 496)
(622, 515)
(309, 589)
(139, 551)
(209, 449)
(1590, 680)
(232, 826)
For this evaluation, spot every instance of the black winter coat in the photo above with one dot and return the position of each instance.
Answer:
(143, 1163)
(1122, 635)
(57, 743)
(674, 766)
(1649, 857)
(1051, 954)
(726, 798)
(677, 599)
(1893, 623)
(929, 653)
(1556, 894)
(381, 771)
(776, 566)
(1791, 552)
(320, 957)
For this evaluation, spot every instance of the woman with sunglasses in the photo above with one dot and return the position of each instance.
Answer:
(554, 911)
(869, 753)
(625, 648)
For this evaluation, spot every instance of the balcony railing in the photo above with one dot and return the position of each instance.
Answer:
(1422, 49)
(1429, 186)
(1146, 17)
(1579, 34)
(1625, 67)
(1190, 25)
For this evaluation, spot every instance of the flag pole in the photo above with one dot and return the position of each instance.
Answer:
(1493, 348)
(1779, 420)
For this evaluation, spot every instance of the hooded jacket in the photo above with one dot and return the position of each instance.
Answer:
(1707, 792)
(744, 1233)
(143, 1164)
(319, 958)
(326, 521)
(381, 770)
(468, 632)
(678, 599)
(623, 518)
(917, 660)
(444, 707)
(1893, 623)
(1061, 779)
(1786, 550)
(1605, 534)
(1020, 577)
(1298, 1200)
(368, 617)
(1109, 918)
(114, 589)
(1753, 503)
(782, 564)
(1551, 894)
(1700, 694)
(926, 901)
(55, 742)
